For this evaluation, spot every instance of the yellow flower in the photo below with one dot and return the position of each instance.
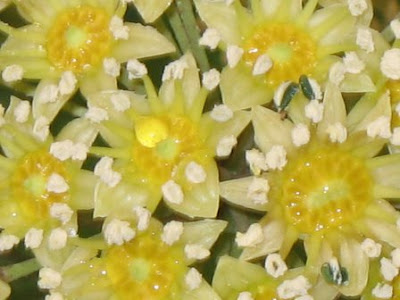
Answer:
(321, 180)
(164, 146)
(277, 42)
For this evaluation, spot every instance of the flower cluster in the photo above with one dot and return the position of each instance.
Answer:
(199, 149)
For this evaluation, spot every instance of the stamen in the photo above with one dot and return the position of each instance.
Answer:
(383, 291)
(57, 239)
(49, 278)
(12, 73)
(111, 66)
(390, 63)
(62, 212)
(22, 111)
(172, 192)
(67, 83)
(234, 55)
(135, 69)
(258, 190)
(196, 251)
(8, 241)
(388, 270)
(253, 236)
(117, 232)
(120, 101)
(225, 145)
(275, 265)
(245, 296)
(365, 40)
(193, 279)
(33, 238)
(293, 287)
(172, 232)
(371, 248)
(221, 113)
(210, 38)
(211, 79)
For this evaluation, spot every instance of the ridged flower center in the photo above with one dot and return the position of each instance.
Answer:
(292, 51)
(29, 184)
(146, 268)
(79, 39)
(161, 143)
(324, 187)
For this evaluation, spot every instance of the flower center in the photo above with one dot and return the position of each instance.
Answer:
(146, 268)
(292, 51)
(79, 39)
(29, 184)
(161, 143)
(324, 187)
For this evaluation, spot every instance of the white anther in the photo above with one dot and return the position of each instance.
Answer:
(279, 92)
(13, 73)
(48, 94)
(390, 63)
(293, 287)
(211, 79)
(221, 113)
(365, 40)
(120, 102)
(357, 7)
(395, 26)
(395, 254)
(22, 111)
(196, 251)
(193, 279)
(118, 29)
(8, 241)
(172, 192)
(379, 128)
(210, 38)
(136, 69)
(104, 170)
(96, 114)
(61, 211)
(57, 239)
(175, 69)
(117, 232)
(383, 291)
(79, 151)
(371, 248)
(245, 296)
(144, 216)
(234, 55)
(395, 138)
(314, 110)
(41, 128)
(262, 65)
(300, 135)
(258, 190)
(225, 145)
(275, 265)
(49, 278)
(67, 83)
(172, 232)
(33, 238)
(62, 149)
(57, 184)
(276, 157)
(337, 72)
(337, 132)
(111, 66)
(352, 63)
(195, 172)
(388, 270)
(251, 238)
(256, 160)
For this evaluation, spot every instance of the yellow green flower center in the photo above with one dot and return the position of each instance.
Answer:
(292, 51)
(29, 184)
(161, 143)
(146, 268)
(79, 39)
(324, 186)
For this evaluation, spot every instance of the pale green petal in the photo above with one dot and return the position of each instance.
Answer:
(272, 7)
(222, 17)
(383, 231)
(296, 110)
(96, 82)
(354, 259)
(386, 170)
(364, 146)
(204, 291)
(37, 11)
(78, 256)
(143, 42)
(117, 7)
(150, 10)
(236, 192)
(240, 89)
(323, 290)
(361, 109)
(82, 189)
(357, 83)
(364, 19)
(271, 130)
(80, 130)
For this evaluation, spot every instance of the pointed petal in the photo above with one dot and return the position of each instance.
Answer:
(82, 189)
(150, 10)
(204, 291)
(79, 130)
(383, 231)
(357, 83)
(270, 7)
(96, 82)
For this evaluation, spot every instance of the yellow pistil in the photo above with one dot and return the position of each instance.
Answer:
(79, 39)
(161, 143)
(29, 184)
(292, 51)
(323, 187)
(146, 268)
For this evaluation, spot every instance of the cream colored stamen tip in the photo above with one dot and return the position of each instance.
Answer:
(175, 69)
(383, 291)
(292, 288)
(103, 169)
(33, 238)
(117, 28)
(57, 184)
(12, 73)
(395, 26)
(234, 55)
(352, 63)
(111, 66)
(337, 132)
(395, 254)
(251, 238)
(245, 296)
(196, 251)
(380, 127)
(258, 190)
(262, 65)
(67, 83)
(48, 94)
(172, 192)
(172, 232)
(136, 69)
(371, 248)
(395, 138)
(62, 149)
(57, 239)
(314, 110)
(193, 279)
(49, 278)
(256, 160)
(211, 79)
(388, 270)
(144, 216)
(118, 232)
(79, 151)
(221, 113)
(195, 172)
(41, 128)
(210, 38)
(390, 64)
(275, 265)
(8, 241)
(22, 111)
(276, 157)
(337, 73)
(357, 7)
(120, 101)
(225, 145)
(96, 114)
(365, 40)
(62, 212)
(300, 135)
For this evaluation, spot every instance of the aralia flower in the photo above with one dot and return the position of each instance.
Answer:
(150, 10)
(71, 45)
(276, 42)
(321, 181)
(164, 146)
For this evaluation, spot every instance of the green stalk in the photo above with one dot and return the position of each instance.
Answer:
(179, 31)
(19, 270)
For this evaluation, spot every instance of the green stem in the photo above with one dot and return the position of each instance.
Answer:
(19, 270)
(179, 31)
